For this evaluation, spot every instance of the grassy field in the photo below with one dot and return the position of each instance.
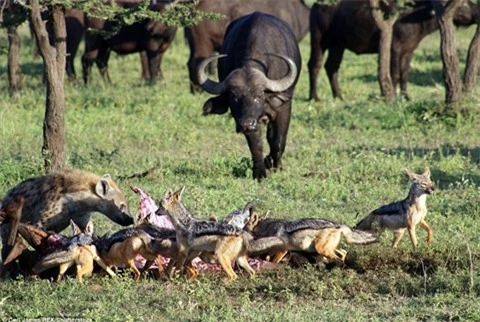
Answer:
(343, 159)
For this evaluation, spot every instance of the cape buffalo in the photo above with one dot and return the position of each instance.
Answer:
(147, 35)
(260, 67)
(206, 37)
(350, 25)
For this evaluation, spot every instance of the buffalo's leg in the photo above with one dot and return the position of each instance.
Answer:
(254, 140)
(87, 63)
(315, 62)
(395, 69)
(144, 64)
(277, 136)
(404, 71)
(102, 64)
(154, 59)
(332, 65)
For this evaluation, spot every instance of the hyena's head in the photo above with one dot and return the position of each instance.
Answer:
(113, 202)
(421, 183)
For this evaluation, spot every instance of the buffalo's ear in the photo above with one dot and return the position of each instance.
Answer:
(215, 105)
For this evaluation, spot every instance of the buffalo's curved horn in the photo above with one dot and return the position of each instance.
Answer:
(284, 83)
(210, 86)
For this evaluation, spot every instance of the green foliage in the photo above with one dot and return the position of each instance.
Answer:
(343, 159)
(178, 14)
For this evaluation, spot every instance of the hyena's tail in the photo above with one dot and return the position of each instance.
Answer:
(356, 236)
(54, 260)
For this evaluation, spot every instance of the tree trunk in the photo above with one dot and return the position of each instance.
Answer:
(448, 49)
(14, 70)
(384, 50)
(473, 61)
(54, 56)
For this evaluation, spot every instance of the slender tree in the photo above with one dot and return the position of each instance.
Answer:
(11, 16)
(53, 56)
(385, 23)
(448, 49)
(473, 60)
(15, 78)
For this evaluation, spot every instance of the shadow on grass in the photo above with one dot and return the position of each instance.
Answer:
(424, 78)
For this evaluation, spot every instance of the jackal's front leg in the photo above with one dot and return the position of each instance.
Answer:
(427, 228)
(413, 236)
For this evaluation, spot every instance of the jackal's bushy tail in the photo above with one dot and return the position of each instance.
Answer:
(261, 245)
(53, 260)
(366, 223)
(355, 236)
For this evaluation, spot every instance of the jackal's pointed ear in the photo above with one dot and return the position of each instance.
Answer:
(89, 228)
(178, 194)
(252, 220)
(426, 172)
(76, 230)
(103, 186)
(167, 197)
(411, 175)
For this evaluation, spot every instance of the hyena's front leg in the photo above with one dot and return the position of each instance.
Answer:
(397, 235)
(427, 228)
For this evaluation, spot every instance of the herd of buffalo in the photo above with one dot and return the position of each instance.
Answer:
(259, 62)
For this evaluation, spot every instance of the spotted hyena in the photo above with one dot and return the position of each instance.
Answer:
(52, 200)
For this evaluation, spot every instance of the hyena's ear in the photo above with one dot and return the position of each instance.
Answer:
(178, 194)
(103, 186)
(89, 229)
(411, 175)
(76, 230)
(426, 172)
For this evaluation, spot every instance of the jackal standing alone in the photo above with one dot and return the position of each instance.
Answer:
(404, 214)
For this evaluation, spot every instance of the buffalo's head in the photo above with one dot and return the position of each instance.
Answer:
(245, 90)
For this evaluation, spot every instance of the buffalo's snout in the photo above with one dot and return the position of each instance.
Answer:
(247, 125)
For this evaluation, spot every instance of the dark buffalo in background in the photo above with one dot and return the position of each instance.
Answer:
(257, 76)
(350, 25)
(206, 37)
(75, 25)
(148, 35)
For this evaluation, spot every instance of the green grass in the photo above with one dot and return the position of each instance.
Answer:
(343, 159)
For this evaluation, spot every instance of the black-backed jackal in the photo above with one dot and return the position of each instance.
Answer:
(124, 246)
(404, 214)
(310, 235)
(78, 250)
(194, 236)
